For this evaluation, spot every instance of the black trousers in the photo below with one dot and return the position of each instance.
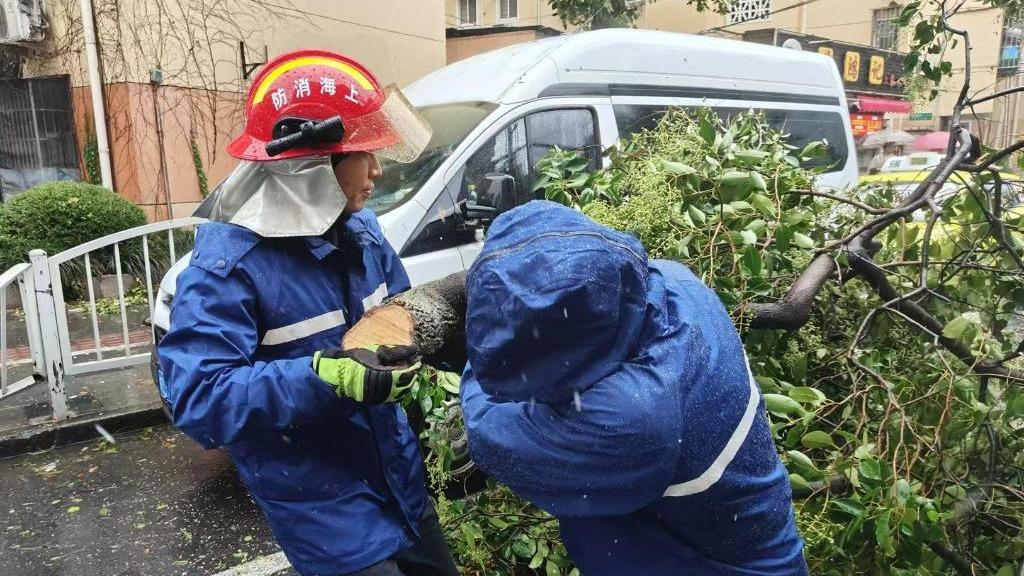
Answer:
(428, 557)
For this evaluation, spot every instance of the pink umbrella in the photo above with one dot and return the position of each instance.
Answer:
(932, 141)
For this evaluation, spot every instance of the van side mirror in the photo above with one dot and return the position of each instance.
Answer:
(479, 214)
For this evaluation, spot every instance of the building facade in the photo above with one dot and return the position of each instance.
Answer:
(175, 75)
(865, 30)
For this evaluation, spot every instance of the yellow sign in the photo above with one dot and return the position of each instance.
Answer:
(876, 70)
(827, 51)
(851, 67)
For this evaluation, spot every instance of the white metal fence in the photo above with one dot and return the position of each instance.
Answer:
(45, 285)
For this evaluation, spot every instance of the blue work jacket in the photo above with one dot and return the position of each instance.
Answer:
(614, 392)
(341, 483)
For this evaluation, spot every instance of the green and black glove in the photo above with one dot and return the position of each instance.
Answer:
(370, 376)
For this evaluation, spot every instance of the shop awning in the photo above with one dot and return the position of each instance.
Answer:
(880, 105)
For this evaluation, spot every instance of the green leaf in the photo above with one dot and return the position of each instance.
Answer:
(524, 547)
(552, 569)
(806, 395)
(763, 204)
(850, 506)
(537, 560)
(814, 150)
(1007, 570)
(817, 439)
(497, 522)
(696, 214)
(677, 168)
(758, 180)
(782, 405)
(883, 535)
(870, 469)
(751, 156)
(803, 241)
(956, 327)
(901, 491)
(541, 182)
(751, 263)
(798, 482)
(803, 465)
(73, 509)
(707, 128)
(450, 381)
(749, 238)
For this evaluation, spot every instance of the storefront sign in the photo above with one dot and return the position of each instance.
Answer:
(876, 71)
(864, 69)
(864, 124)
(921, 116)
(851, 66)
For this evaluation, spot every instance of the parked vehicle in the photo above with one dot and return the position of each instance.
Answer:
(912, 163)
(497, 114)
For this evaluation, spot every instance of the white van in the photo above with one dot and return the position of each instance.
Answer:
(495, 115)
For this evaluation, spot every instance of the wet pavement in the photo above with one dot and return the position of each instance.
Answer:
(88, 395)
(153, 504)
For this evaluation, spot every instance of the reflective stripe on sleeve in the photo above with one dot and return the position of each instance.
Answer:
(293, 332)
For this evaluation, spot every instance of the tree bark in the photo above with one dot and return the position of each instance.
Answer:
(429, 316)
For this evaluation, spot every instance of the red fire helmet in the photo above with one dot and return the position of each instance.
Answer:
(317, 85)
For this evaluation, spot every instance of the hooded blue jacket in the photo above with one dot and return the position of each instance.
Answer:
(614, 393)
(341, 483)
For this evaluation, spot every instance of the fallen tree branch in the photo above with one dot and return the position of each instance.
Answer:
(428, 316)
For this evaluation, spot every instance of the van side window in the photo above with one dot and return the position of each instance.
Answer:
(501, 173)
(442, 227)
(803, 127)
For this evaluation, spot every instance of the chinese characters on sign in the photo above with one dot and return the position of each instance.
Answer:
(302, 89)
(876, 71)
(863, 68)
(851, 66)
(864, 124)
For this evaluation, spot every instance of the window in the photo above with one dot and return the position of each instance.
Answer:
(803, 127)
(451, 124)
(468, 16)
(501, 172)
(508, 10)
(884, 29)
(741, 11)
(1009, 50)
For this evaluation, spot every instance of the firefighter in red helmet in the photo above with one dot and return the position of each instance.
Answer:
(288, 262)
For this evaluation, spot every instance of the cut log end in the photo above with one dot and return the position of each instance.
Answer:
(387, 325)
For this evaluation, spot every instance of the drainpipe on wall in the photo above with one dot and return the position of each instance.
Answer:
(99, 114)
(803, 18)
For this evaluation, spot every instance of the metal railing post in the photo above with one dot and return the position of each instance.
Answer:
(48, 327)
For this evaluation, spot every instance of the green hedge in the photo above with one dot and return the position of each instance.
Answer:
(61, 215)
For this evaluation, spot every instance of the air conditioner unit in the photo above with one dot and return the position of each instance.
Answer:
(21, 21)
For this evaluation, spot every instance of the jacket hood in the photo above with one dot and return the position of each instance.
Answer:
(555, 303)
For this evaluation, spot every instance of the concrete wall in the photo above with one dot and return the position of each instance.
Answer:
(464, 47)
(195, 44)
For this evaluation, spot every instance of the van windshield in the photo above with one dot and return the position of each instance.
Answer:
(451, 124)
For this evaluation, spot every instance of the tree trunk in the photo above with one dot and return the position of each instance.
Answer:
(431, 316)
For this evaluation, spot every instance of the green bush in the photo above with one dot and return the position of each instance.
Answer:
(61, 215)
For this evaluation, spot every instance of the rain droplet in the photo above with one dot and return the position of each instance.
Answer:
(286, 439)
(735, 516)
(565, 312)
(536, 333)
(522, 375)
(577, 402)
(680, 440)
(584, 496)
